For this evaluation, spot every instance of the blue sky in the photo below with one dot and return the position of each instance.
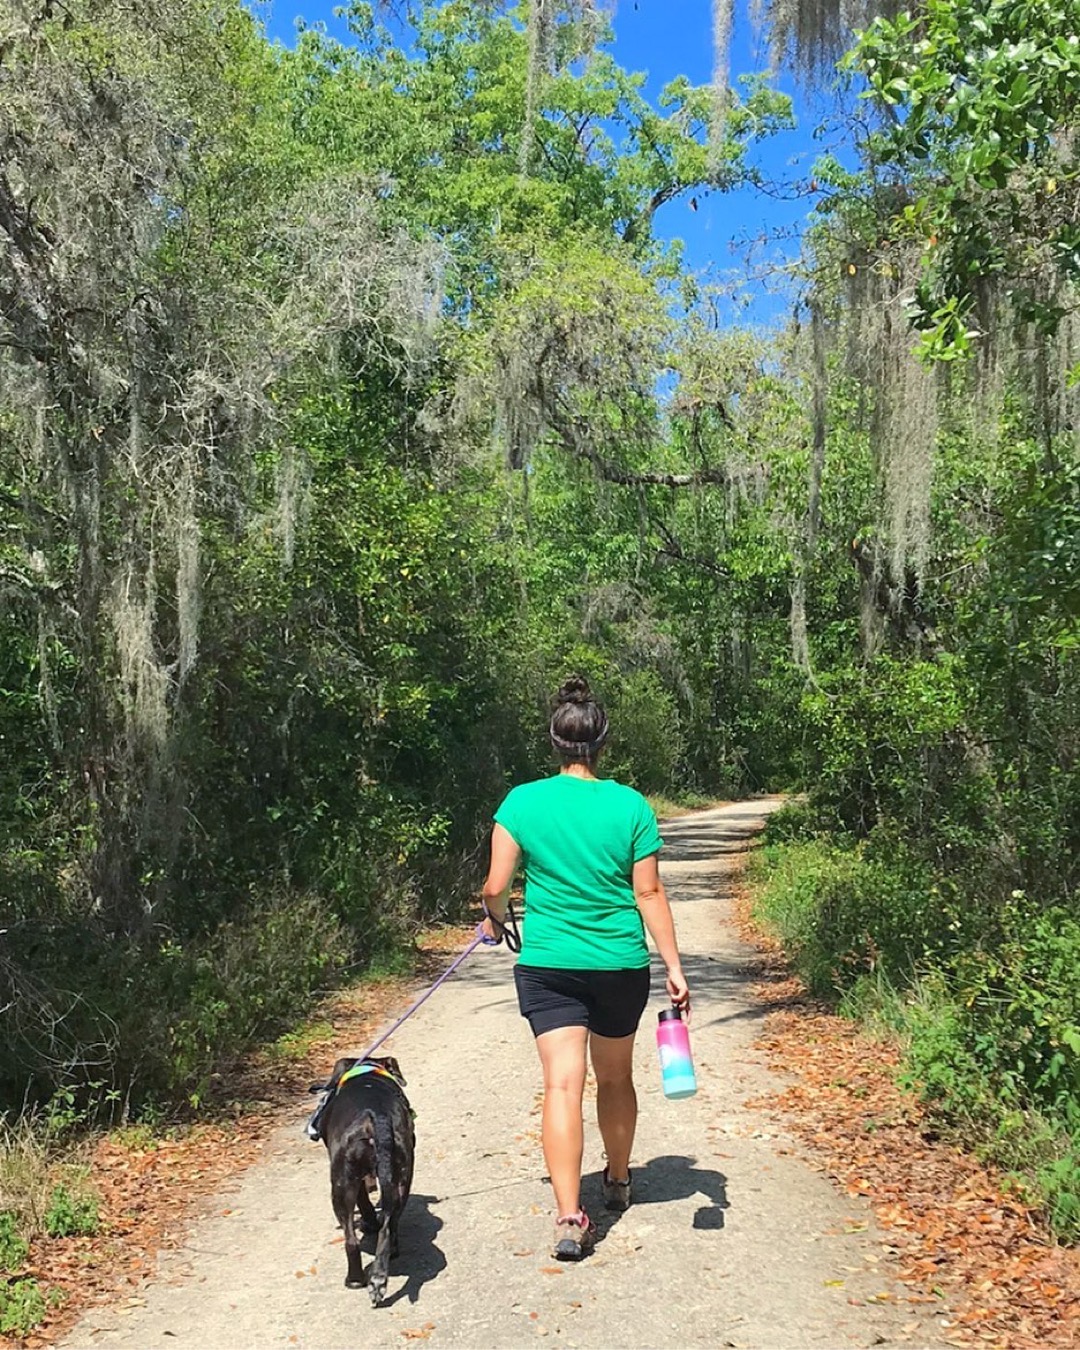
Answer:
(649, 38)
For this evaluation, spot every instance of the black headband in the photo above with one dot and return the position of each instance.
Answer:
(578, 749)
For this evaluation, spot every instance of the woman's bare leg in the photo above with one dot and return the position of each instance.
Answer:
(616, 1099)
(562, 1054)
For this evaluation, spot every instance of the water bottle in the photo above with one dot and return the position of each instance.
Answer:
(676, 1065)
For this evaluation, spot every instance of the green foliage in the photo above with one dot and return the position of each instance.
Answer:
(978, 1087)
(72, 1213)
(249, 977)
(795, 821)
(13, 1248)
(1022, 999)
(844, 912)
(647, 744)
(986, 1005)
(22, 1307)
(986, 93)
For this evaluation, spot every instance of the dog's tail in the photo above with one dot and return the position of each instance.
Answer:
(384, 1162)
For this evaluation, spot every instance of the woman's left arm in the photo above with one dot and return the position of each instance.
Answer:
(505, 855)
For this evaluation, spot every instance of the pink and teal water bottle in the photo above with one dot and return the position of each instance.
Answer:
(676, 1065)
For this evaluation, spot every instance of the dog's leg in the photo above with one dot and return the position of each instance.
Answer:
(380, 1268)
(343, 1193)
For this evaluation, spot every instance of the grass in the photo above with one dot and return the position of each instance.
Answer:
(299, 1042)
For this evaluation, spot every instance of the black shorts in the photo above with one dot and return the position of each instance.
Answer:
(608, 1002)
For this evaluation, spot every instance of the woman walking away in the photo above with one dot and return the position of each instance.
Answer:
(589, 848)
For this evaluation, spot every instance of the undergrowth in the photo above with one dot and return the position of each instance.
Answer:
(45, 1192)
(986, 1003)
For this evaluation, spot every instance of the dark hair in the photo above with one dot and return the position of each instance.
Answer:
(579, 725)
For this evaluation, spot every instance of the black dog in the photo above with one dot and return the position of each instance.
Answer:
(367, 1126)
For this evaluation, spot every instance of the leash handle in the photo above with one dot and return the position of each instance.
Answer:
(508, 932)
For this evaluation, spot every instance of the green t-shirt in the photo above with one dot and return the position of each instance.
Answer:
(579, 840)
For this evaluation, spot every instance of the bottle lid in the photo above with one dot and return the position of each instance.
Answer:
(670, 1015)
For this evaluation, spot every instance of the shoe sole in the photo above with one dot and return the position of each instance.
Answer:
(569, 1250)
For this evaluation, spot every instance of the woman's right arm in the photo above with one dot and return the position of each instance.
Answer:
(505, 854)
(652, 901)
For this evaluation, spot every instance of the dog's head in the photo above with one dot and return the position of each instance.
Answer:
(342, 1067)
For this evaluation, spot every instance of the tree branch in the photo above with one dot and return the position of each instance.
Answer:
(673, 549)
(571, 432)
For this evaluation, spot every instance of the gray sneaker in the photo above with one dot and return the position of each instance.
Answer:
(574, 1238)
(617, 1194)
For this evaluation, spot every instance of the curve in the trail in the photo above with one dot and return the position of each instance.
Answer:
(733, 1240)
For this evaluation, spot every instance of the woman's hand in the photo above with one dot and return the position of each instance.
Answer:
(678, 989)
(490, 931)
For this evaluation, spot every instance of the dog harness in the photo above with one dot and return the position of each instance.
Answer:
(358, 1070)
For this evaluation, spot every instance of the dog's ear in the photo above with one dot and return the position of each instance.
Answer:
(342, 1067)
(390, 1064)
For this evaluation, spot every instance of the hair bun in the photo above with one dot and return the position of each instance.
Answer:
(574, 690)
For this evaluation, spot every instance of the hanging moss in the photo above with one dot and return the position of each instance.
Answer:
(723, 14)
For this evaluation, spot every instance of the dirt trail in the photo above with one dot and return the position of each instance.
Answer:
(733, 1240)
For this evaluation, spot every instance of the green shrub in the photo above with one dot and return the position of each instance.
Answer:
(71, 1213)
(1022, 1002)
(252, 977)
(22, 1306)
(842, 913)
(794, 821)
(964, 1065)
(1059, 1188)
(946, 1060)
(13, 1247)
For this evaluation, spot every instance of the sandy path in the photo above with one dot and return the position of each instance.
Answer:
(732, 1241)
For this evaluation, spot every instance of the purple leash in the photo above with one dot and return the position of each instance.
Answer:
(513, 941)
(477, 941)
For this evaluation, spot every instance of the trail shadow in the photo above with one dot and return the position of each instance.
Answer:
(674, 1177)
(700, 845)
(420, 1259)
